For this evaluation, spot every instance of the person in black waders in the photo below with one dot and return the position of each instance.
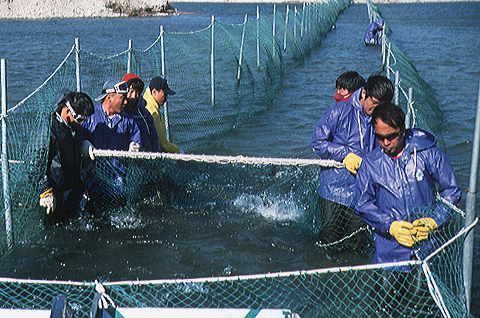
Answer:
(62, 188)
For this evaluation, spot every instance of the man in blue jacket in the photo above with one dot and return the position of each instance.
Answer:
(397, 181)
(344, 134)
(110, 128)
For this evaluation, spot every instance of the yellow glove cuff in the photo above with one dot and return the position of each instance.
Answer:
(47, 193)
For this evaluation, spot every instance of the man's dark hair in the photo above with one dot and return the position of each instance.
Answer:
(379, 87)
(137, 84)
(390, 114)
(81, 103)
(350, 80)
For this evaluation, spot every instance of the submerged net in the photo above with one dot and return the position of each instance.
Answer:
(243, 84)
(430, 288)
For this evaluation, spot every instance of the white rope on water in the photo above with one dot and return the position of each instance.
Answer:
(219, 159)
(218, 279)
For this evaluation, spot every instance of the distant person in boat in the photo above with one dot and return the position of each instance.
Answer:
(346, 84)
(109, 127)
(136, 109)
(371, 35)
(344, 133)
(62, 186)
(156, 95)
(397, 181)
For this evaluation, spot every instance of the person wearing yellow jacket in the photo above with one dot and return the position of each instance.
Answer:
(155, 95)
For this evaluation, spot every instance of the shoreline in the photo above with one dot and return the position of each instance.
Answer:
(300, 1)
(57, 9)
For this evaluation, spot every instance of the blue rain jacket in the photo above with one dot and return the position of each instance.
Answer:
(144, 121)
(371, 35)
(344, 128)
(390, 190)
(112, 133)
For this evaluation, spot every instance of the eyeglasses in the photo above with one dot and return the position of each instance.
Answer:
(76, 117)
(119, 88)
(389, 137)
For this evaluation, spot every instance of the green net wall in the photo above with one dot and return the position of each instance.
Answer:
(431, 288)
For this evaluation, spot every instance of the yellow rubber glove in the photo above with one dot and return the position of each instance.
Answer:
(403, 232)
(424, 227)
(48, 201)
(352, 162)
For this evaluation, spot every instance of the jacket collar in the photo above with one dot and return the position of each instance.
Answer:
(418, 139)
(149, 98)
(355, 101)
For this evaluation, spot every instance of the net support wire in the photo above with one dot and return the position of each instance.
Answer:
(327, 163)
(432, 285)
(320, 271)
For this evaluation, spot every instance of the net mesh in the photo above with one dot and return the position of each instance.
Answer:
(243, 83)
(430, 288)
(249, 62)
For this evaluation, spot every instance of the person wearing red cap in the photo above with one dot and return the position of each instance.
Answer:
(135, 109)
(156, 95)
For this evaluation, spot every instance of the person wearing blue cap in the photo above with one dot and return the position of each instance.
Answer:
(156, 95)
(62, 188)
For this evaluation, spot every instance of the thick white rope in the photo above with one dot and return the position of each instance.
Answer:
(219, 159)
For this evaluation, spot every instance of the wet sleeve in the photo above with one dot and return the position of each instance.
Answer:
(322, 142)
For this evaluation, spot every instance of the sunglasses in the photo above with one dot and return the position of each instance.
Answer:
(76, 117)
(119, 88)
(389, 137)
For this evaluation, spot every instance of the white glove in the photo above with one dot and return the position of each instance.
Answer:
(134, 147)
(86, 149)
(48, 202)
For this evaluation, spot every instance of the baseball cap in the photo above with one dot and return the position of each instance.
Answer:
(159, 83)
(129, 76)
(112, 86)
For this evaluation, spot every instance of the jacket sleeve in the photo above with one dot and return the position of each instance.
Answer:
(54, 177)
(322, 139)
(442, 171)
(366, 202)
